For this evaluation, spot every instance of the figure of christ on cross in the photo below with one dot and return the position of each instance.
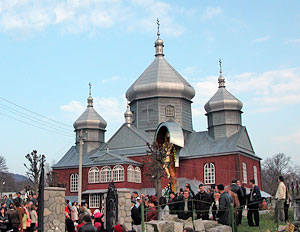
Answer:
(169, 162)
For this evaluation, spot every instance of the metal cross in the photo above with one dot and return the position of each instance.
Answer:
(220, 63)
(90, 89)
(158, 24)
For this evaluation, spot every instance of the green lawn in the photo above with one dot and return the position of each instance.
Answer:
(266, 222)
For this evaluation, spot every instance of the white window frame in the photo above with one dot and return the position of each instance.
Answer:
(138, 175)
(93, 176)
(74, 183)
(170, 111)
(255, 174)
(105, 174)
(118, 173)
(209, 173)
(94, 200)
(245, 178)
(130, 174)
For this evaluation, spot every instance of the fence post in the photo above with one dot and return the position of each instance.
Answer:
(232, 218)
(193, 213)
(143, 215)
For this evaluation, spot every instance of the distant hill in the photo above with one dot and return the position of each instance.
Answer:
(19, 178)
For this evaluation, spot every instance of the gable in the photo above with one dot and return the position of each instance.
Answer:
(244, 142)
(127, 137)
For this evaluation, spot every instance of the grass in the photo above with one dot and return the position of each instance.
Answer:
(266, 222)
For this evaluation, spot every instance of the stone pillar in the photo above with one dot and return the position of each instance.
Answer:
(54, 208)
(124, 208)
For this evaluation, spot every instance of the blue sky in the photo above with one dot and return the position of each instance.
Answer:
(51, 50)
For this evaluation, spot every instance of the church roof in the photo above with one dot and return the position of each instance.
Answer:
(100, 158)
(200, 144)
(160, 79)
(90, 119)
(223, 100)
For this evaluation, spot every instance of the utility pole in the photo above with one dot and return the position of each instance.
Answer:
(80, 167)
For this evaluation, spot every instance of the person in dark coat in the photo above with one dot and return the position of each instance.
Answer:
(223, 215)
(13, 218)
(135, 215)
(234, 187)
(3, 220)
(202, 203)
(253, 204)
(185, 206)
(243, 201)
(88, 226)
(172, 203)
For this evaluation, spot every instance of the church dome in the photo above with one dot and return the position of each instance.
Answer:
(160, 79)
(90, 119)
(222, 100)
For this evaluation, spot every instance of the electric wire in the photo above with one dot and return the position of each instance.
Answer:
(28, 117)
(40, 115)
(53, 131)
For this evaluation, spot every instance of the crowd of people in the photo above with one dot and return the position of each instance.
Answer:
(214, 203)
(17, 214)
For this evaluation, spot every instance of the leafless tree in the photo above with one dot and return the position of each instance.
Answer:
(154, 163)
(272, 168)
(3, 166)
(34, 168)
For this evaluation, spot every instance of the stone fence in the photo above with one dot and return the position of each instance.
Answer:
(54, 208)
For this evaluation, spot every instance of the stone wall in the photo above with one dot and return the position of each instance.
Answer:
(54, 208)
(124, 208)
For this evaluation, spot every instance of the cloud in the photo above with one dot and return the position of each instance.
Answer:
(113, 78)
(294, 41)
(291, 138)
(211, 12)
(75, 16)
(264, 92)
(262, 39)
(111, 109)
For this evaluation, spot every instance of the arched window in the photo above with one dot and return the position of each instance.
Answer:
(74, 182)
(130, 174)
(255, 174)
(245, 173)
(94, 175)
(170, 111)
(118, 173)
(105, 174)
(138, 175)
(209, 173)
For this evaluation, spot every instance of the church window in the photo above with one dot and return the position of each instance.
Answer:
(209, 173)
(94, 175)
(118, 173)
(130, 174)
(255, 174)
(74, 182)
(105, 174)
(245, 173)
(138, 175)
(94, 200)
(170, 111)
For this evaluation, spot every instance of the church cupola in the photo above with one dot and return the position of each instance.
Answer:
(160, 94)
(92, 125)
(223, 111)
(128, 116)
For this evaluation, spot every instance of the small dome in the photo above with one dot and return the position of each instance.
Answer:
(128, 116)
(90, 119)
(223, 100)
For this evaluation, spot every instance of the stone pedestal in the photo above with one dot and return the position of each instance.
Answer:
(124, 208)
(54, 208)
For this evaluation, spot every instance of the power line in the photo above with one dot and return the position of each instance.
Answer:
(35, 125)
(36, 120)
(34, 112)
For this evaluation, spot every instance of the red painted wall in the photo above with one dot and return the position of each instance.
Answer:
(227, 167)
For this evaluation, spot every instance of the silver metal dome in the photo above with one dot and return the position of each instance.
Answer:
(223, 100)
(160, 79)
(90, 119)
